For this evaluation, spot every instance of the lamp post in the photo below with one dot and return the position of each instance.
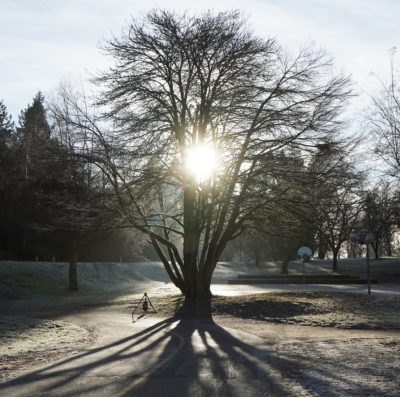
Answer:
(364, 236)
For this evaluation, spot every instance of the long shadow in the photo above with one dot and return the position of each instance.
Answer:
(181, 357)
(52, 306)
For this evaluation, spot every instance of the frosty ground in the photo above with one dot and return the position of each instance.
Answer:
(321, 343)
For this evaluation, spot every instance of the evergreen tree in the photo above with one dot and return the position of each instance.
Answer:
(34, 137)
(33, 157)
(6, 124)
(8, 181)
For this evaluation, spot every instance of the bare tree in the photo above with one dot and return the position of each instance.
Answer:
(72, 194)
(338, 213)
(381, 216)
(197, 109)
(322, 201)
(384, 122)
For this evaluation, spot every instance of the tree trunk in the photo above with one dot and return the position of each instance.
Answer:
(285, 265)
(388, 244)
(287, 259)
(322, 248)
(375, 246)
(73, 274)
(190, 241)
(388, 248)
(197, 302)
(257, 258)
(321, 253)
(335, 253)
(197, 305)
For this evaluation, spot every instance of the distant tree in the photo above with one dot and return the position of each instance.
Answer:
(317, 200)
(8, 181)
(34, 138)
(71, 195)
(384, 122)
(7, 126)
(338, 213)
(286, 219)
(184, 93)
(33, 143)
(324, 168)
(380, 216)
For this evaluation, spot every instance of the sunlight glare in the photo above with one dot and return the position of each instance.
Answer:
(201, 162)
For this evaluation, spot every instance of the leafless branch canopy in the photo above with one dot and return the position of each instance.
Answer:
(179, 81)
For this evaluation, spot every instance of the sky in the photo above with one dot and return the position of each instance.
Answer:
(45, 42)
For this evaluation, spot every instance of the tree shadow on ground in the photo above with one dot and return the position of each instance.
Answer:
(268, 309)
(181, 357)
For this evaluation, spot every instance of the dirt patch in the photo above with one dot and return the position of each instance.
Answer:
(27, 342)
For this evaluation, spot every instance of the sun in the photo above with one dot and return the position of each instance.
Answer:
(201, 162)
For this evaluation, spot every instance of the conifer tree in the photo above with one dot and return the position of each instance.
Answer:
(7, 180)
(34, 137)
(6, 124)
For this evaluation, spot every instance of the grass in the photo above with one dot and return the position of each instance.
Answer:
(303, 308)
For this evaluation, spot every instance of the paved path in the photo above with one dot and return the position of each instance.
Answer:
(165, 357)
(157, 357)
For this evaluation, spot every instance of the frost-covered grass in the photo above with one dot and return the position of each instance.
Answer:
(315, 309)
(27, 342)
(32, 279)
(27, 280)
(351, 367)
(310, 308)
(19, 334)
(20, 281)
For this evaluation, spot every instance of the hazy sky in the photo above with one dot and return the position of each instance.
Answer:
(43, 42)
